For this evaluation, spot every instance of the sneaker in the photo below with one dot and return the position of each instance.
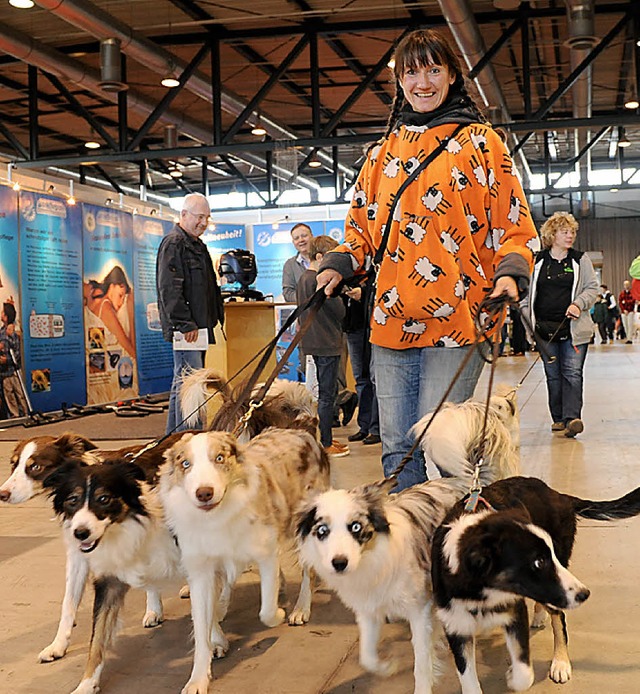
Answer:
(629, 342)
(574, 427)
(337, 450)
(358, 436)
(371, 439)
(557, 426)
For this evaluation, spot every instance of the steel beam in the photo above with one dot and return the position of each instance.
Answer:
(34, 151)
(168, 98)
(265, 89)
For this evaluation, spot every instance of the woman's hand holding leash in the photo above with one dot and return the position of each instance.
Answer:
(329, 279)
(573, 311)
(505, 285)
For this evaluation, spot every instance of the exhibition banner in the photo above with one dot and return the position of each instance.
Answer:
(155, 356)
(51, 282)
(272, 247)
(10, 294)
(108, 298)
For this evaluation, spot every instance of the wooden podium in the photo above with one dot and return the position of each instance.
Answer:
(249, 325)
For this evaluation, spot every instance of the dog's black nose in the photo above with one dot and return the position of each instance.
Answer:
(204, 494)
(339, 563)
(5, 495)
(81, 533)
(583, 595)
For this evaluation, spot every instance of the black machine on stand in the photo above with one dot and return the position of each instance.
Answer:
(238, 269)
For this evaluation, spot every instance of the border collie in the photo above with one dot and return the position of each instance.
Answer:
(516, 546)
(35, 459)
(229, 504)
(373, 549)
(115, 520)
(288, 405)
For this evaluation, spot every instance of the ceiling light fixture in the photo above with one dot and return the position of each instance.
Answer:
(315, 163)
(175, 172)
(623, 140)
(170, 81)
(92, 144)
(631, 104)
(258, 130)
(111, 66)
(22, 4)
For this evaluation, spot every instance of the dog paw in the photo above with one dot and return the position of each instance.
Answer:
(152, 619)
(53, 651)
(384, 668)
(299, 617)
(196, 687)
(219, 645)
(89, 686)
(520, 677)
(560, 670)
(539, 617)
(185, 592)
(273, 620)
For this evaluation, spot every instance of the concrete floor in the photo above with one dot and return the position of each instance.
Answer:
(323, 656)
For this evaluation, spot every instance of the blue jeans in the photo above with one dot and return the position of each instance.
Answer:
(182, 360)
(564, 379)
(409, 384)
(327, 372)
(360, 355)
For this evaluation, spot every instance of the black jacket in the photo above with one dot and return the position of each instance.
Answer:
(188, 292)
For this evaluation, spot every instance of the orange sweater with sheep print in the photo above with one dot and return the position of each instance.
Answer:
(451, 229)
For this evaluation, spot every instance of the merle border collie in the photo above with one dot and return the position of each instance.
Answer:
(373, 548)
(229, 504)
(516, 546)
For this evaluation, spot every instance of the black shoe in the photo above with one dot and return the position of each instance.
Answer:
(358, 436)
(371, 439)
(348, 409)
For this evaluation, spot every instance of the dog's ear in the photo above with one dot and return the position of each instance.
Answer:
(134, 471)
(72, 445)
(305, 520)
(481, 554)
(374, 495)
(59, 476)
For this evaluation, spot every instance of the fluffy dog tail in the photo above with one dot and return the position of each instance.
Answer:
(626, 506)
(198, 385)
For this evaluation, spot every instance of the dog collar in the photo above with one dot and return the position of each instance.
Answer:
(474, 500)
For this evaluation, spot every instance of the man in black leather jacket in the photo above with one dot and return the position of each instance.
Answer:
(189, 298)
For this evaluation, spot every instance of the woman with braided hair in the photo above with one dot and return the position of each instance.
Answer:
(459, 231)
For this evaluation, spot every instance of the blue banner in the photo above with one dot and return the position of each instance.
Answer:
(108, 293)
(272, 246)
(155, 356)
(9, 284)
(51, 281)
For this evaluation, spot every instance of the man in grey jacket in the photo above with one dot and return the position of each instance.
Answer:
(189, 298)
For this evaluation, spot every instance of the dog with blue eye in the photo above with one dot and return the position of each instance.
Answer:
(373, 549)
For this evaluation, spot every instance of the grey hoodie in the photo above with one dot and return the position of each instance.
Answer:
(583, 294)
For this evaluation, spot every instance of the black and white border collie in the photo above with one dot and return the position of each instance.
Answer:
(517, 545)
(116, 522)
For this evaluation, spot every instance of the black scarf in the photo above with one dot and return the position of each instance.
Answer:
(456, 108)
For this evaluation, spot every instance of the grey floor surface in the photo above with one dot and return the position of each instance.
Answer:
(322, 656)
